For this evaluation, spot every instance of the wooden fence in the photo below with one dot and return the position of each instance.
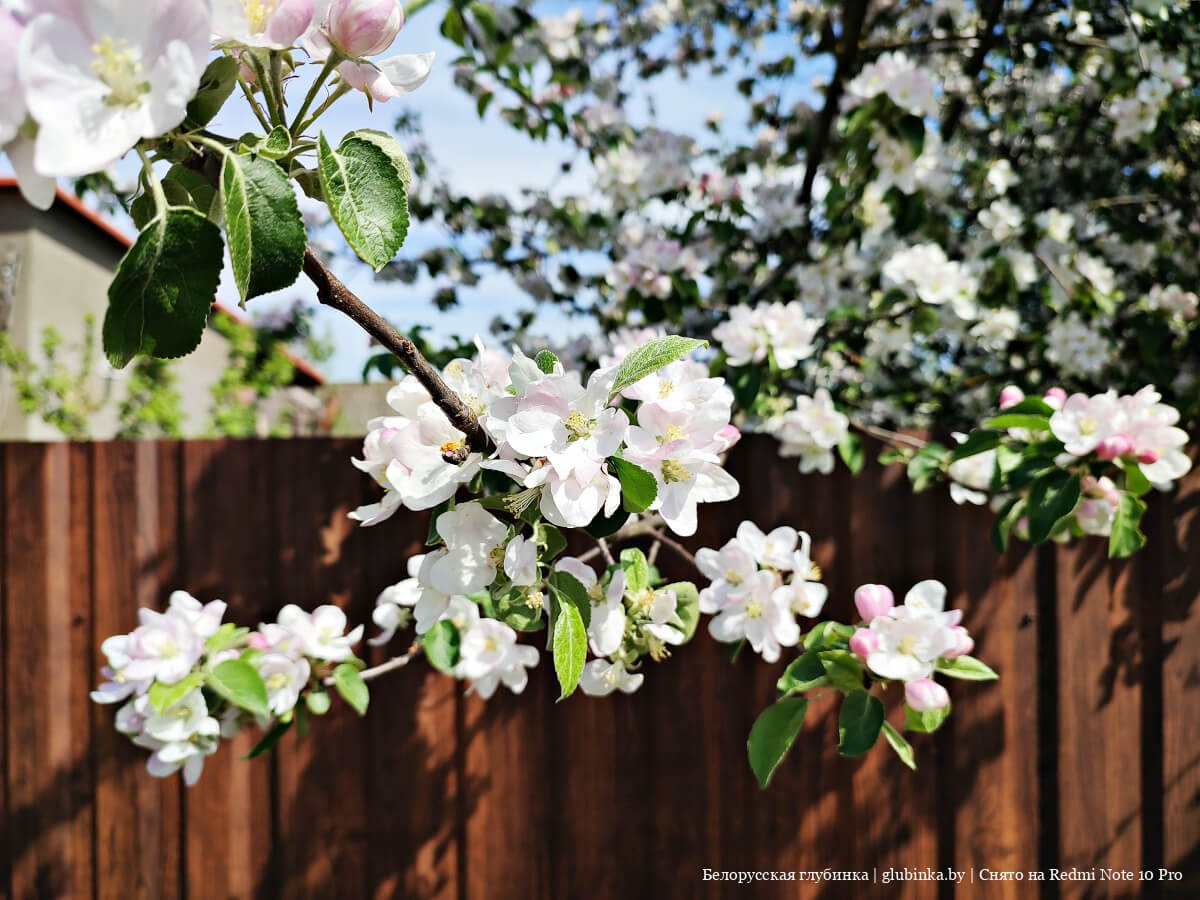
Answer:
(1085, 755)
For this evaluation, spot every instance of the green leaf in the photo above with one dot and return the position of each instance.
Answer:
(1126, 537)
(1006, 520)
(317, 702)
(550, 539)
(350, 685)
(216, 84)
(637, 570)
(638, 487)
(270, 739)
(158, 302)
(1052, 497)
(394, 152)
(859, 723)
(687, 606)
(163, 696)
(772, 735)
(262, 220)
(802, 674)
(545, 361)
(979, 441)
(745, 382)
(1136, 482)
(925, 466)
(926, 722)
(912, 129)
(851, 451)
(187, 187)
(1031, 421)
(570, 647)
(1033, 406)
(239, 683)
(441, 643)
(367, 196)
(968, 668)
(651, 357)
(902, 747)
(228, 635)
(843, 668)
(571, 592)
(602, 526)
(511, 609)
(432, 538)
(277, 144)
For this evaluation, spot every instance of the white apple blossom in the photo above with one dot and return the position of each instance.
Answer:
(520, 561)
(489, 654)
(1076, 346)
(163, 647)
(320, 634)
(188, 756)
(601, 677)
(284, 679)
(754, 612)
(728, 569)
(785, 331)
(475, 542)
(394, 605)
(606, 627)
(811, 431)
(101, 79)
(1083, 422)
(274, 24)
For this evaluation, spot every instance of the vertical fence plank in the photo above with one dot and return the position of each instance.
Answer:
(1179, 536)
(1099, 761)
(48, 637)
(991, 793)
(135, 511)
(227, 549)
(321, 837)
(413, 807)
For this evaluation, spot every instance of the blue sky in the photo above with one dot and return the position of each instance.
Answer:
(477, 156)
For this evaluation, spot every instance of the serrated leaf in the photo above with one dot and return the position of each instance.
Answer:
(968, 668)
(571, 592)
(843, 668)
(545, 361)
(651, 357)
(262, 220)
(1051, 498)
(441, 643)
(1126, 537)
(366, 196)
(638, 487)
(353, 689)
(158, 301)
(277, 143)
(802, 674)
(216, 84)
(772, 735)
(570, 648)
(239, 682)
(859, 722)
(902, 747)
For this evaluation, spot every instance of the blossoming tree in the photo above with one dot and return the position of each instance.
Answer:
(890, 260)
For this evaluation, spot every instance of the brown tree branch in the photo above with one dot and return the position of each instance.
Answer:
(332, 292)
(990, 11)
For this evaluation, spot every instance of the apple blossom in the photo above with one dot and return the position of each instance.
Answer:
(361, 28)
(475, 542)
(321, 633)
(490, 655)
(873, 600)
(274, 24)
(863, 643)
(284, 679)
(601, 677)
(753, 612)
(606, 627)
(108, 75)
(520, 561)
(386, 79)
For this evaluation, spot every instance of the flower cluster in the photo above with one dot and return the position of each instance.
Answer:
(566, 443)
(760, 583)
(186, 680)
(909, 642)
(783, 333)
(811, 431)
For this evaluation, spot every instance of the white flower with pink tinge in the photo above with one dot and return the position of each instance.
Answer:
(755, 612)
(321, 633)
(489, 654)
(273, 24)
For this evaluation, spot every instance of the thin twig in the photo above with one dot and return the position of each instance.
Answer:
(990, 13)
(396, 662)
(332, 292)
(674, 545)
(652, 556)
(603, 545)
(895, 438)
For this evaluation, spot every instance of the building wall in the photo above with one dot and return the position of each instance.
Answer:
(66, 264)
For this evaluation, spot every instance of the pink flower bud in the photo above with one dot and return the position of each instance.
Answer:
(258, 642)
(925, 695)
(873, 600)
(1113, 447)
(863, 643)
(727, 437)
(1055, 397)
(963, 643)
(1011, 396)
(1147, 456)
(360, 28)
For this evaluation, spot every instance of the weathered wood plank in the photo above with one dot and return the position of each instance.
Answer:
(48, 646)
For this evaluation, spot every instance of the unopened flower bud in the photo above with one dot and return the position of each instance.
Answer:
(360, 28)
(1147, 456)
(1011, 396)
(963, 643)
(727, 437)
(1114, 447)
(1055, 397)
(925, 695)
(872, 600)
(863, 643)
(258, 642)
